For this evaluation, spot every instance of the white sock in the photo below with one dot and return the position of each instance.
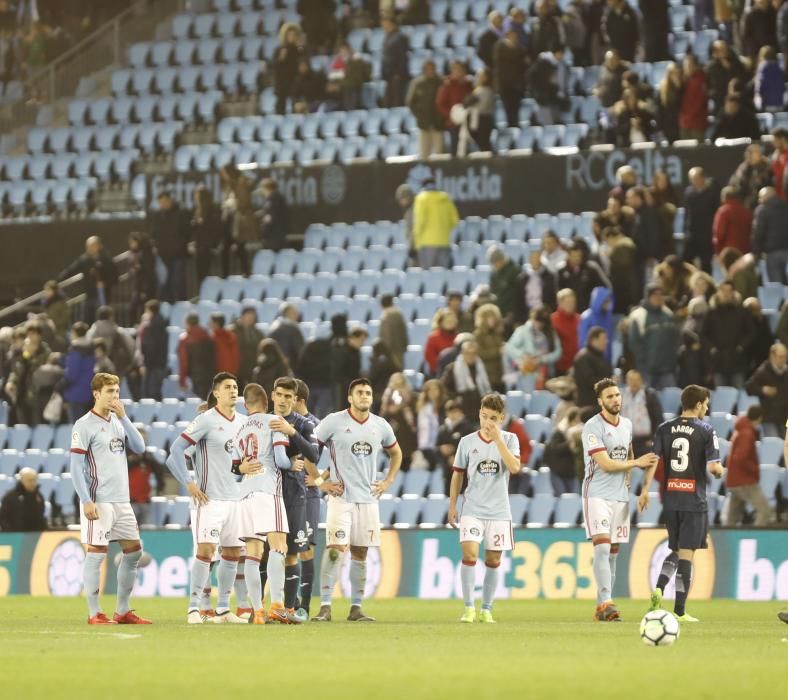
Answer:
(253, 583)
(225, 578)
(201, 572)
(127, 577)
(491, 576)
(602, 572)
(329, 571)
(276, 576)
(613, 559)
(358, 581)
(468, 581)
(241, 594)
(91, 576)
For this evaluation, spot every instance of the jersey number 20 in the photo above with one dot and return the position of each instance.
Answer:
(679, 454)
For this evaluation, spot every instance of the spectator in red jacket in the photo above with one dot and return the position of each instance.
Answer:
(780, 160)
(732, 223)
(453, 92)
(225, 343)
(444, 329)
(744, 472)
(694, 101)
(196, 356)
(566, 322)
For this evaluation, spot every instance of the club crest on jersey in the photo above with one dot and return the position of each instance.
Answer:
(300, 538)
(361, 449)
(228, 446)
(488, 467)
(340, 534)
(475, 531)
(116, 446)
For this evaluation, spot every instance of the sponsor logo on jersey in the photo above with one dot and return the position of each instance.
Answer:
(116, 446)
(488, 467)
(361, 449)
(619, 453)
(686, 485)
(191, 427)
(592, 439)
(228, 446)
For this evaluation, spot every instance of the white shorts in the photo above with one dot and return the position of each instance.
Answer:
(262, 513)
(606, 518)
(218, 522)
(116, 521)
(497, 535)
(354, 524)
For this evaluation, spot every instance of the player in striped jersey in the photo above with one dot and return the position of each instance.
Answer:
(487, 457)
(100, 471)
(263, 511)
(217, 496)
(607, 450)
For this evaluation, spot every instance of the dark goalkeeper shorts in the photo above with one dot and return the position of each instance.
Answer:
(686, 529)
(312, 517)
(295, 506)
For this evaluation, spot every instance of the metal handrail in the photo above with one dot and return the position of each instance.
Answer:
(34, 299)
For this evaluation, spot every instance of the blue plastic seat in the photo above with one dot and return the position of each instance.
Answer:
(64, 496)
(231, 50)
(567, 510)
(181, 25)
(543, 403)
(540, 509)
(771, 296)
(519, 506)
(722, 424)
(251, 48)
(203, 26)
(434, 510)
(208, 51)
(178, 511)
(407, 513)
(105, 137)
(770, 450)
(9, 462)
(164, 80)
(650, 516)
(138, 54)
(416, 482)
(184, 53)
(723, 399)
(227, 24)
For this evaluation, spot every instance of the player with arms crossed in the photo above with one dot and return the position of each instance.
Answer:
(216, 495)
(607, 451)
(488, 457)
(259, 453)
(354, 438)
(687, 447)
(100, 472)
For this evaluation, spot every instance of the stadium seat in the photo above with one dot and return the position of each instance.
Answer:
(434, 512)
(770, 450)
(722, 424)
(19, 437)
(540, 510)
(723, 399)
(519, 506)
(568, 509)
(64, 496)
(407, 512)
(650, 516)
(670, 398)
(387, 507)
(178, 512)
(415, 483)
(9, 462)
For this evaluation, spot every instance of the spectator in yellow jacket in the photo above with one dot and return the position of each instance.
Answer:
(434, 219)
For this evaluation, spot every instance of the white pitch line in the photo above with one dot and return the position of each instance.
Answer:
(117, 635)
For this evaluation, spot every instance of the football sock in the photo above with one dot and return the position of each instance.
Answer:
(201, 572)
(602, 572)
(276, 576)
(329, 570)
(127, 576)
(683, 580)
(91, 575)
(205, 598)
(613, 560)
(225, 578)
(307, 578)
(668, 569)
(241, 593)
(292, 580)
(252, 576)
(491, 576)
(358, 581)
(468, 581)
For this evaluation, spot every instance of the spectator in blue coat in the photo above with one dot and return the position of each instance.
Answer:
(599, 313)
(769, 82)
(80, 361)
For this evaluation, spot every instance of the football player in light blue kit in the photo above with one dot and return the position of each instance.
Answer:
(607, 451)
(487, 457)
(262, 506)
(100, 473)
(354, 438)
(216, 495)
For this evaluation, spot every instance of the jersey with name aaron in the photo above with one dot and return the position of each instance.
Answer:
(106, 468)
(686, 446)
(487, 493)
(256, 441)
(600, 435)
(354, 447)
(212, 433)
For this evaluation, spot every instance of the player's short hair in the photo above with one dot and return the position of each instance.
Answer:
(692, 395)
(302, 390)
(221, 377)
(493, 402)
(203, 407)
(360, 381)
(594, 332)
(254, 395)
(603, 384)
(286, 383)
(102, 379)
(152, 305)
(755, 412)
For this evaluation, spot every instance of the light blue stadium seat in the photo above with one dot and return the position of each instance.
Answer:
(387, 508)
(138, 54)
(519, 506)
(670, 398)
(178, 511)
(227, 24)
(540, 509)
(56, 460)
(722, 423)
(542, 484)
(407, 512)
(516, 403)
(64, 496)
(38, 166)
(32, 459)
(144, 411)
(42, 436)
(434, 510)
(543, 402)
(10, 460)
(538, 427)
(47, 485)
(169, 411)
(723, 399)
(181, 25)
(437, 486)
(567, 510)
(251, 48)
(770, 450)
(416, 482)
(650, 516)
(19, 437)
(203, 25)
(771, 296)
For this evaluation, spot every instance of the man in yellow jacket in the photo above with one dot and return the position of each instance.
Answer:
(434, 219)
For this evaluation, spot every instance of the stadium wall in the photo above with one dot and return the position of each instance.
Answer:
(504, 185)
(547, 563)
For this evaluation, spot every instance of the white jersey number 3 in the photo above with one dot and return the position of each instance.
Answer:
(679, 460)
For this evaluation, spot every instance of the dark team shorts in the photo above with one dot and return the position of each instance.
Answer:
(312, 517)
(295, 507)
(686, 529)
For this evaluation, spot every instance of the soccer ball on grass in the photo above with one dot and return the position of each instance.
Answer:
(659, 628)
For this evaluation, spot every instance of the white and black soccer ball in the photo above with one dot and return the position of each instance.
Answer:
(659, 628)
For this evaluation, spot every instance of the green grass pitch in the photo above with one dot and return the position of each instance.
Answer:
(417, 649)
